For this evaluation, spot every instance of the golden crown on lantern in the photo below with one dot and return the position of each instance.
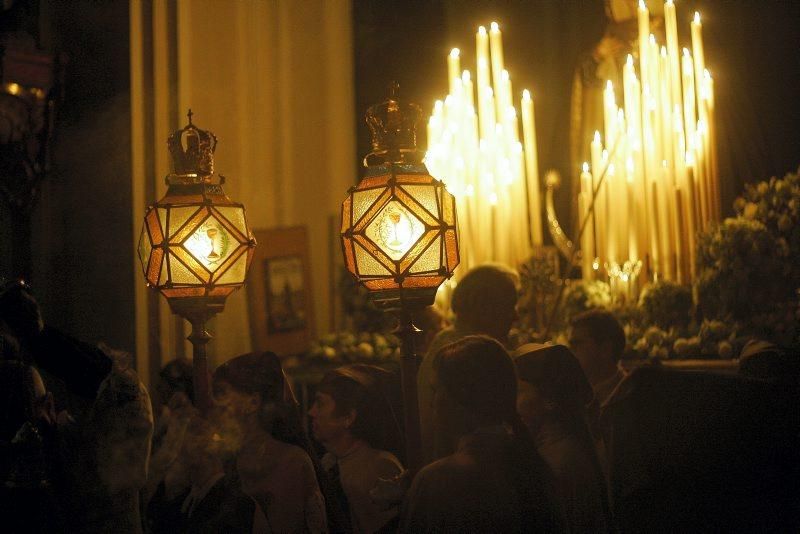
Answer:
(393, 125)
(192, 150)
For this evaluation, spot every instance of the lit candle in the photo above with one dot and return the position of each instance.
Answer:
(453, 70)
(496, 46)
(531, 168)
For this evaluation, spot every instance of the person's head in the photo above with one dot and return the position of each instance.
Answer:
(552, 385)
(485, 300)
(598, 341)
(475, 386)
(351, 403)
(251, 389)
(762, 359)
(175, 378)
(431, 321)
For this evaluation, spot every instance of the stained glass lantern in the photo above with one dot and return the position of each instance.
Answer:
(398, 229)
(195, 243)
(195, 246)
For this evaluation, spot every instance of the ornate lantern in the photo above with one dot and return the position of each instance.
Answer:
(195, 246)
(399, 237)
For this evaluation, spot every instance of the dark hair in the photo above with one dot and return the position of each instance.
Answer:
(478, 374)
(602, 327)
(176, 376)
(367, 390)
(483, 293)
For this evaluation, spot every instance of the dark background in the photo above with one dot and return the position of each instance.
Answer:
(83, 239)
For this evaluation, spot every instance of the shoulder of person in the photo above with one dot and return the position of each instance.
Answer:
(386, 464)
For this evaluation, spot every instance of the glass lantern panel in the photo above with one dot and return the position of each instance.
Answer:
(362, 200)
(430, 260)
(222, 291)
(373, 181)
(154, 267)
(210, 244)
(377, 206)
(156, 235)
(181, 292)
(426, 196)
(180, 273)
(414, 178)
(367, 265)
(236, 273)
(179, 216)
(375, 251)
(383, 283)
(423, 281)
(417, 250)
(346, 222)
(449, 208)
(235, 216)
(144, 248)
(425, 217)
(349, 257)
(395, 230)
(192, 263)
(163, 278)
(162, 217)
(452, 250)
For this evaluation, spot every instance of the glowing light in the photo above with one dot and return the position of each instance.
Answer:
(395, 230)
(209, 244)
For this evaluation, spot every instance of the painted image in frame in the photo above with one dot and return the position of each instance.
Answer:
(286, 294)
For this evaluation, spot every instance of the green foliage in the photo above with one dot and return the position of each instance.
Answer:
(666, 304)
(585, 295)
(742, 270)
(347, 347)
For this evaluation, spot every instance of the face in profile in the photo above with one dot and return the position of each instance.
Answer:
(326, 424)
(582, 346)
(530, 404)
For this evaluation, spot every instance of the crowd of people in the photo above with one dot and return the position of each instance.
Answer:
(531, 438)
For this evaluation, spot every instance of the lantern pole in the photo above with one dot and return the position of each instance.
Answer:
(406, 331)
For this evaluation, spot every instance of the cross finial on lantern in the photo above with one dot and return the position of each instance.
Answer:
(189, 114)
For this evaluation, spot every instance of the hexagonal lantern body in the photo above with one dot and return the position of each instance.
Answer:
(195, 243)
(399, 231)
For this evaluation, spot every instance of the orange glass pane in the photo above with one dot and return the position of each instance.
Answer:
(451, 244)
(223, 291)
(154, 267)
(426, 196)
(178, 217)
(349, 258)
(346, 219)
(180, 292)
(373, 181)
(449, 206)
(362, 200)
(430, 259)
(162, 217)
(414, 179)
(156, 235)
(163, 277)
(383, 283)
(423, 281)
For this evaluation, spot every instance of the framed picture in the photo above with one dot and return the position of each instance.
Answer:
(279, 292)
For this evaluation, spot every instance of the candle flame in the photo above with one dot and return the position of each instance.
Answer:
(526, 95)
(454, 53)
(495, 27)
(652, 39)
(597, 136)
(629, 60)
(642, 5)
(696, 17)
(609, 85)
(686, 52)
(663, 51)
(465, 76)
(481, 30)
(505, 75)
(585, 167)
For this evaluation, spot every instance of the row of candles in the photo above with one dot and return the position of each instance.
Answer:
(475, 147)
(654, 181)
